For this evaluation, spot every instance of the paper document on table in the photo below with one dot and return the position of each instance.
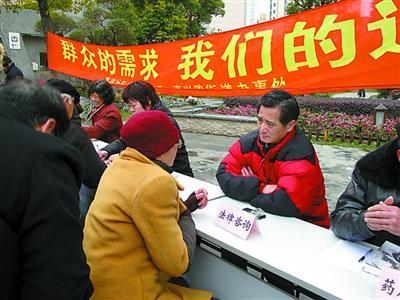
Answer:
(347, 255)
(387, 256)
(98, 144)
(192, 184)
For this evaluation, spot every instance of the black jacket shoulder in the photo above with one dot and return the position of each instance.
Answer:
(41, 176)
(381, 166)
(93, 166)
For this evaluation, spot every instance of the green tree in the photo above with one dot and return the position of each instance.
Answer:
(61, 24)
(200, 14)
(162, 21)
(301, 5)
(130, 22)
(48, 8)
(109, 22)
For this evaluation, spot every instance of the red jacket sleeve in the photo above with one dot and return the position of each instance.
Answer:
(229, 177)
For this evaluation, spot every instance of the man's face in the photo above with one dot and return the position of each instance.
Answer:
(270, 129)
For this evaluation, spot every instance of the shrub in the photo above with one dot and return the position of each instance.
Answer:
(241, 101)
(389, 94)
(350, 106)
(338, 122)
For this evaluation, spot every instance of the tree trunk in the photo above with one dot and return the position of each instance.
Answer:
(44, 16)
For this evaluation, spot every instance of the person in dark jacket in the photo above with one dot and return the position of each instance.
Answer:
(369, 208)
(275, 167)
(93, 166)
(104, 114)
(142, 96)
(41, 254)
(11, 70)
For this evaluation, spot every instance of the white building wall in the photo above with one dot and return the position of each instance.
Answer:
(240, 13)
(235, 15)
(275, 9)
(251, 12)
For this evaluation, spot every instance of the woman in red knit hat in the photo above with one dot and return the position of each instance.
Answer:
(138, 232)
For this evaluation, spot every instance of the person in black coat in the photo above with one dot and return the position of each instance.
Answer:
(93, 166)
(142, 96)
(41, 254)
(369, 208)
(11, 70)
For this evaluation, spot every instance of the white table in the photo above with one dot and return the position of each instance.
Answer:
(287, 247)
(192, 184)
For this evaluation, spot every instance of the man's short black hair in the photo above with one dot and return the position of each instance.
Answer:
(103, 89)
(32, 105)
(286, 102)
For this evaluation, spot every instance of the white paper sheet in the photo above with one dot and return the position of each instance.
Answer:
(346, 255)
(98, 144)
(192, 184)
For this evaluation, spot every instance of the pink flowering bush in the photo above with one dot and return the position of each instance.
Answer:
(339, 123)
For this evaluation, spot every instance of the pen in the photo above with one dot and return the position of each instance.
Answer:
(364, 256)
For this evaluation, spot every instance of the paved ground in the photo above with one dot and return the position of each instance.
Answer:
(206, 151)
(353, 95)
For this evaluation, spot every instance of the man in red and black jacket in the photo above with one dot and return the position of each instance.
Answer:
(276, 167)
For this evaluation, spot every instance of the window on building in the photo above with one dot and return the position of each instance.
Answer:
(43, 60)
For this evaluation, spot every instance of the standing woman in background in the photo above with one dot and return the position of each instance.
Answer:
(104, 114)
(142, 96)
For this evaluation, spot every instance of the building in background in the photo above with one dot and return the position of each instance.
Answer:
(240, 13)
(25, 46)
(273, 9)
(235, 17)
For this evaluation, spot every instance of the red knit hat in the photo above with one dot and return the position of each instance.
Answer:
(150, 132)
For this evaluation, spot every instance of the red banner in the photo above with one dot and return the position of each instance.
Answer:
(348, 45)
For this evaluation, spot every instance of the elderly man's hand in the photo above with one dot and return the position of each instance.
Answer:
(269, 188)
(384, 216)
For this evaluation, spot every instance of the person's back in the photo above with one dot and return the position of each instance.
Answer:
(75, 135)
(40, 205)
(93, 166)
(137, 227)
(40, 176)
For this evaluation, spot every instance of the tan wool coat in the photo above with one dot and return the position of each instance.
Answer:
(132, 238)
